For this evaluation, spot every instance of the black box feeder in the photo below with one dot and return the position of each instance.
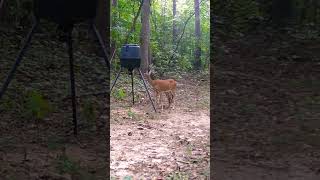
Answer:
(130, 56)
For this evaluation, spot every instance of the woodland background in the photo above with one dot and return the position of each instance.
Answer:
(265, 101)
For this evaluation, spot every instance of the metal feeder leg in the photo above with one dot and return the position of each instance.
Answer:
(19, 58)
(144, 83)
(105, 54)
(72, 83)
(114, 83)
(106, 59)
(132, 86)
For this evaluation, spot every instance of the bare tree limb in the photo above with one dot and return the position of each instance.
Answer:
(134, 22)
(161, 44)
(183, 30)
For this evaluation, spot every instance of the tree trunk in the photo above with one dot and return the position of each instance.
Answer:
(115, 3)
(145, 35)
(1, 6)
(103, 23)
(282, 12)
(174, 22)
(197, 60)
(114, 23)
(2, 11)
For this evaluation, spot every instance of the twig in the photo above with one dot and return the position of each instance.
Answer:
(178, 42)
(112, 56)
(134, 22)
(183, 162)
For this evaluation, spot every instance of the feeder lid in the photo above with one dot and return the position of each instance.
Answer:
(130, 45)
(130, 51)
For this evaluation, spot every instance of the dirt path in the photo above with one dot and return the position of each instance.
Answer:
(159, 145)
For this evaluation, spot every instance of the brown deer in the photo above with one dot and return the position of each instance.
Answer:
(167, 86)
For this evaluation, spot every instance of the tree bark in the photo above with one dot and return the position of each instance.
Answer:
(145, 35)
(282, 12)
(103, 23)
(174, 22)
(197, 54)
(181, 35)
(115, 3)
(2, 11)
(113, 24)
(1, 6)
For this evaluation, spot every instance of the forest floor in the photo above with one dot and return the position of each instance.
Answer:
(266, 108)
(45, 148)
(173, 143)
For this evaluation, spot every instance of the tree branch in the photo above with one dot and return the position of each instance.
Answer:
(134, 22)
(161, 44)
(179, 40)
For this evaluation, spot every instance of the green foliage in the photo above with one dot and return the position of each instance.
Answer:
(184, 63)
(131, 114)
(36, 105)
(66, 165)
(167, 55)
(54, 143)
(120, 94)
(178, 176)
(311, 101)
(237, 13)
(189, 150)
(235, 17)
(128, 178)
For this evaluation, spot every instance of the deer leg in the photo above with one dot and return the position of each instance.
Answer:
(157, 98)
(169, 99)
(155, 94)
(161, 103)
(172, 99)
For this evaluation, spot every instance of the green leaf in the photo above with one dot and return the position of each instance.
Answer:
(36, 105)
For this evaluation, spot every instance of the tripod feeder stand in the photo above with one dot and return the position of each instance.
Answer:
(130, 59)
(65, 14)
